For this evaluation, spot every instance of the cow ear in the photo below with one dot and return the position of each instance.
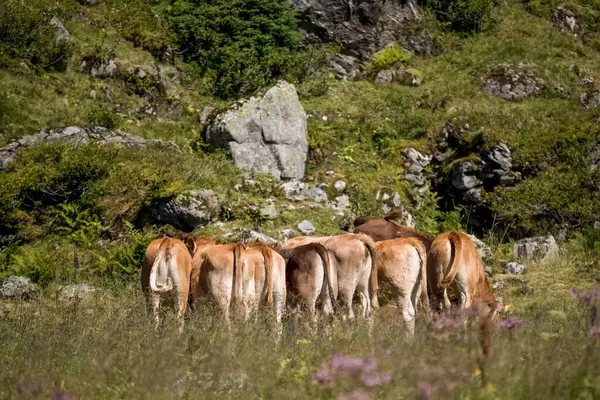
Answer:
(191, 245)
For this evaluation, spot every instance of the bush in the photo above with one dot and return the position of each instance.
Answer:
(26, 33)
(240, 45)
(463, 15)
(388, 57)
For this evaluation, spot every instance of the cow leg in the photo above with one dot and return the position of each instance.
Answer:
(447, 304)
(346, 299)
(407, 309)
(153, 303)
(365, 303)
(180, 307)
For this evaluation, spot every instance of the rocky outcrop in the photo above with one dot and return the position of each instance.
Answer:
(566, 21)
(541, 249)
(512, 82)
(189, 210)
(73, 136)
(492, 167)
(362, 28)
(98, 67)
(265, 134)
(389, 201)
(17, 288)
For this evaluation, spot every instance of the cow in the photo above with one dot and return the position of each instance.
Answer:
(454, 261)
(402, 264)
(309, 275)
(389, 227)
(166, 272)
(217, 270)
(353, 257)
(265, 279)
(232, 272)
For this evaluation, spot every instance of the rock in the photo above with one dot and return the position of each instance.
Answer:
(306, 227)
(253, 235)
(590, 99)
(206, 114)
(188, 211)
(362, 28)
(510, 178)
(596, 224)
(399, 74)
(98, 67)
(295, 190)
(93, 94)
(62, 35)
(488, 270)
(415, 161)
(175, 110)
(71, 292)
(265, 134)
(416, 179)
(512, 82)
(483, 249)
(540, 249)
(498, 157)
(339, 185)
(288, 233)
(565, 21)
(269, 210)
(74, 135)
(17, 288)
(342, 203)
(317, 194)
(385, 76)
(463, 175)
(514, 267)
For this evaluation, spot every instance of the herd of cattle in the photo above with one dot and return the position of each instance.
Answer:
(327, 270)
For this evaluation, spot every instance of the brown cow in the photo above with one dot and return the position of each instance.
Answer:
(166, 269)
(309, 275)
(389, 227)
(454, 261)
(232, 272)
(402, 264)
(265, 279)
(217, 270)
(353, 258)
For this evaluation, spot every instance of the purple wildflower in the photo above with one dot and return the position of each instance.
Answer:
(594, 332)
(377, 379)
(511, 323)
(589, 296)
(33, 389)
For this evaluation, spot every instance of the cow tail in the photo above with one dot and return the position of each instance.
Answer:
(374, 282)
(456, 245)
(163, 252)
(324, 254)
(268, 256)
(238, 274)
(422, 252)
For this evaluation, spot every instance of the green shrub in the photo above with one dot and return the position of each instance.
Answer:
(126, 257)
(104, 118)
(240, 45)
(388, 57)
(463, 15)
(26, 33)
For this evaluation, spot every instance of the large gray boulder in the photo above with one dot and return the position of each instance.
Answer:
(541, 249)
(99, 67)
(189, 210)
(362, 28)
(265, 134)
(306, 227)
(464, 175)
(17, 288)
(75, 135)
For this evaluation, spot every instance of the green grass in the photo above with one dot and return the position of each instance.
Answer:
(104, 347)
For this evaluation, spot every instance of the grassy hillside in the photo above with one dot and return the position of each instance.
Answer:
(58, 204)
